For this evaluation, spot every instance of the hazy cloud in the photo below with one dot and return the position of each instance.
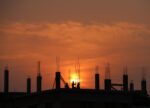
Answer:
(120, 43)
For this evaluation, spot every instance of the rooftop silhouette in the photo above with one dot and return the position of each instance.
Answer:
(75, 96)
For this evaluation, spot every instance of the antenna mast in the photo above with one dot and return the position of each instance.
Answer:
(39, 68)
(107, 71)
(97, 69)
(143, 73)
(57, 64)
(125, 70)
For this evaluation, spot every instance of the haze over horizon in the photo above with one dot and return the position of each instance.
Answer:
(96, 31)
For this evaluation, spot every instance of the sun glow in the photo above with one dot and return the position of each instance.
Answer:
(74, 77)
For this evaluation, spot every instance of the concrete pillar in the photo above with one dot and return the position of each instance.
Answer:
(6, 81)
(39, 83)
(57, 79)
(143, 86)
(107, 85)
(97, 82)
(131, 86)
(28, 85)
(125, 82)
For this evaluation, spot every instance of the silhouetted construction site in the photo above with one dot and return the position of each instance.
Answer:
(73, 96)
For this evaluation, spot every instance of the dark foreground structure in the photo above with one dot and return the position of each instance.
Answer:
(75, 97)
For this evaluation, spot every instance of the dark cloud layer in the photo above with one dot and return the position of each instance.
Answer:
(104, 11)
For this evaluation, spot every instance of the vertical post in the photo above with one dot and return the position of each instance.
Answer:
(125, 80)
(143, 86)
(28, 85)
(39, 83)
(143, 82)
(107, 85)
(107, 78)
(57, 79)
(131, 86)
(6, 80)
(97, 78)
(97, 81)
(39, 79)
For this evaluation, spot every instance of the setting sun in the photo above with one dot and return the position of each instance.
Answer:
(74, 77)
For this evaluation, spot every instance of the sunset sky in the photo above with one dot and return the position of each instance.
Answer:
(96, 31)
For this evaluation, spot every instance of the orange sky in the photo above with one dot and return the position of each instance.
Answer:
(96, 32)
